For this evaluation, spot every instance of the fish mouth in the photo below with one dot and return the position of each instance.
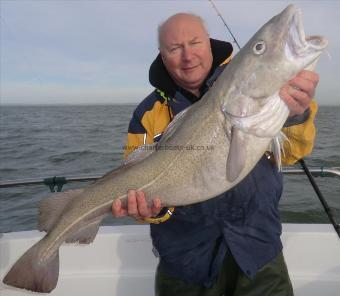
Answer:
(300, 46)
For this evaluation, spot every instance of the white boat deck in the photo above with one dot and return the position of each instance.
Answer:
(120, 262)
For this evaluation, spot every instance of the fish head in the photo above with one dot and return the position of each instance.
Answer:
(283, 47)
(274, 55)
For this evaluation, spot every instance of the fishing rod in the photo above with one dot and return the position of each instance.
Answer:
(225, 23)
(323, 201)
(302, 162)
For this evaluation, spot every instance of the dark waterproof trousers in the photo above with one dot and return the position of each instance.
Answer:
(271, 280)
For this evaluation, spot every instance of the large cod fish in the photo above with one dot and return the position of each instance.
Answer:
(237, 119)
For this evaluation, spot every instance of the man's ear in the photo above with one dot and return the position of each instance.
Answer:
(162, 56)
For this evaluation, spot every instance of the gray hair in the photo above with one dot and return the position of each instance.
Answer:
(162, 24)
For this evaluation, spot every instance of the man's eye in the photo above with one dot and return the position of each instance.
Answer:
(173, 49)
(196, 42)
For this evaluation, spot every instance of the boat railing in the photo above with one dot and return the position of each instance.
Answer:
(56, 183)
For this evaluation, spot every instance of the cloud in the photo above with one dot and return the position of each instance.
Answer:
(107, 45)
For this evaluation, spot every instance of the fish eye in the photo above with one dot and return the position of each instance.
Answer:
(259, 47)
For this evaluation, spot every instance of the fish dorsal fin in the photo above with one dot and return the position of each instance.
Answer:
(172, 127)
(51, 208)
(140, 153)
(144, 151)
(237, 154)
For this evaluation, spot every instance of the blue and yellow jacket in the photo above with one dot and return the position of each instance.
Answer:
(245, 220)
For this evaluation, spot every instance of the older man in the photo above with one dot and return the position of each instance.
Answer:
(229, 245)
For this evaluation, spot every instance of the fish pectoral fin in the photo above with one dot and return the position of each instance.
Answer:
(32, 273)
(237, 154)
(51, 208)
(87, 233)
(277, 148)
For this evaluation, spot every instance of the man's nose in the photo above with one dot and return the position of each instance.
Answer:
(187, 53)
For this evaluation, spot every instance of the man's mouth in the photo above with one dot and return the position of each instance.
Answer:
(188, 69)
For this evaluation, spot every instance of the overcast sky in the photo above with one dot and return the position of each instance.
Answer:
(71, 52)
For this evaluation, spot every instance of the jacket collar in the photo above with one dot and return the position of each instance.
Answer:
(160, 78)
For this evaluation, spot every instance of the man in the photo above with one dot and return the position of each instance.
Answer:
(229, 245)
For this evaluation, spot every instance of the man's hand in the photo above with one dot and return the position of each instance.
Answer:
(137, 206)
(299, 91)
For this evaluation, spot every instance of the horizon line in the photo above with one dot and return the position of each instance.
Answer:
(101, 104)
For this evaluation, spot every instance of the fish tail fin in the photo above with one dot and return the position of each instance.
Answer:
(32, 273)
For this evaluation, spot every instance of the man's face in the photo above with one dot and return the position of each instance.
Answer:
(185, 50)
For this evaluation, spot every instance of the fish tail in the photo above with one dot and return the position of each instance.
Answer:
(32, 273)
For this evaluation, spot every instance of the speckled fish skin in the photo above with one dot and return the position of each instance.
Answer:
(208, 149)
